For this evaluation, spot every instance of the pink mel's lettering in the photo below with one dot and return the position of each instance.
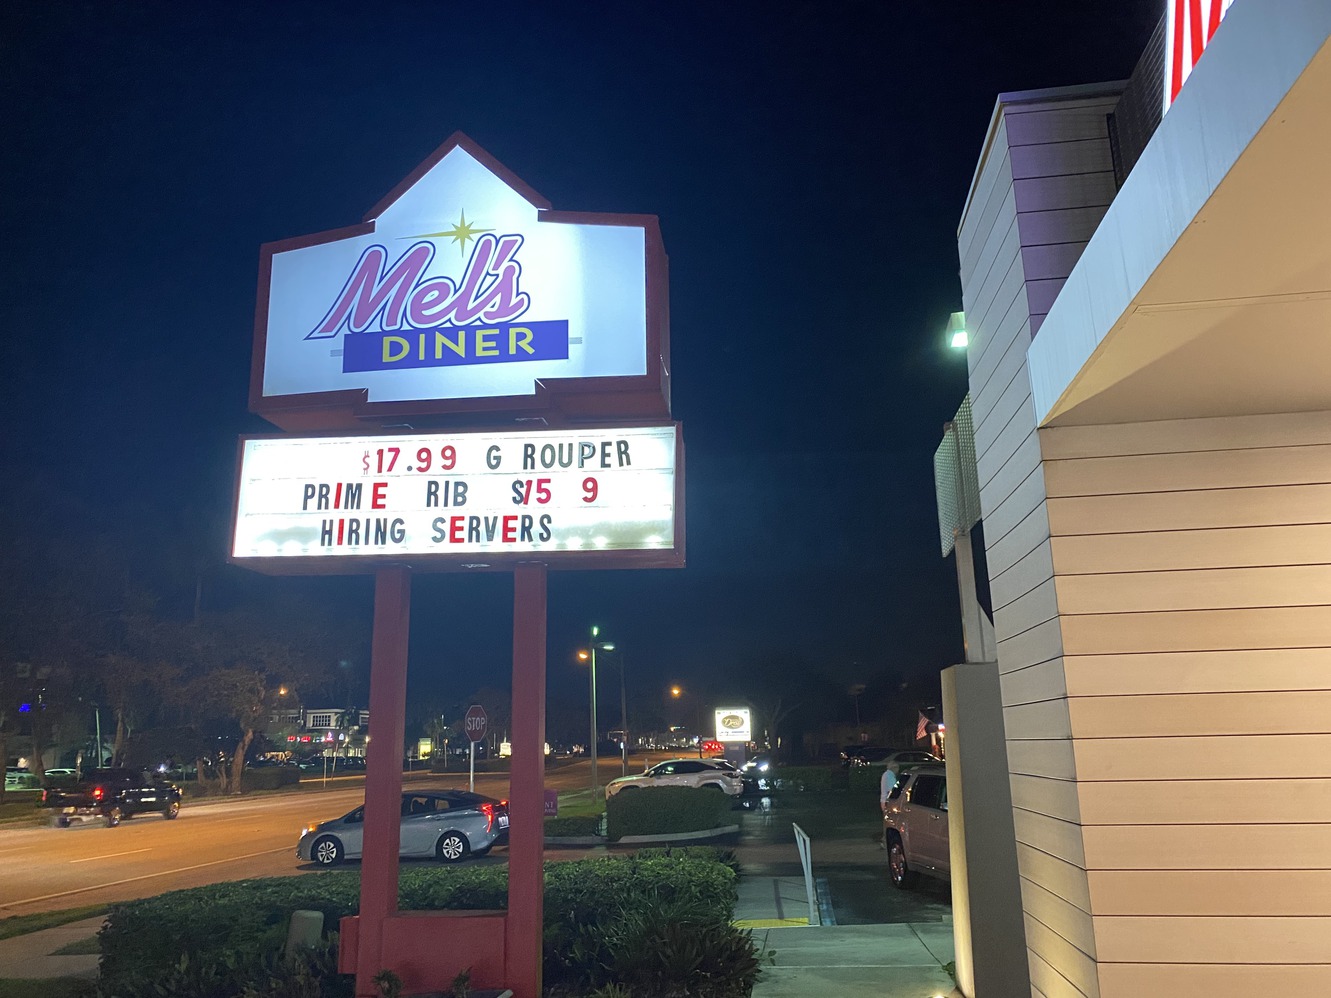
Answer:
(488, 289)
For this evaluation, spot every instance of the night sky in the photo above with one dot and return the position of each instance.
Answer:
(808, 162)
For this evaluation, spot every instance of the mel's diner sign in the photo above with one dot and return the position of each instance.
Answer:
(463, 293)
(462, 290)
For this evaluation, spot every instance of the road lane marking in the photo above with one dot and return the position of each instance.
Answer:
(111, 856)
(146, 876)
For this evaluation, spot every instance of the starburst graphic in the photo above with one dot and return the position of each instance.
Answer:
(461, 231)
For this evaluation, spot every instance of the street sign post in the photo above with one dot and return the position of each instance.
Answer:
(475, 724)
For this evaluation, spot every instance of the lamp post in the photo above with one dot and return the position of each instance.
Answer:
(591, 656)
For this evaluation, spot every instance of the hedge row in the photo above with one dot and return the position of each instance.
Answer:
(666, 811)
(227, 934)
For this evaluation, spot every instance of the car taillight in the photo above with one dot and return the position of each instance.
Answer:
(489, 811)
(43, 796)
(98, 793)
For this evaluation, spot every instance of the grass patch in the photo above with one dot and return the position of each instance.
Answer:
(580, 804)
(21, 925)
(20, 804)
(54, 987)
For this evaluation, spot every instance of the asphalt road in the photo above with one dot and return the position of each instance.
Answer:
(47, 868)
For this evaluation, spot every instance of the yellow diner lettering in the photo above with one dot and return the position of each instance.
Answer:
(485, 343)
(458, 346)
(390, 357)
(514, 341)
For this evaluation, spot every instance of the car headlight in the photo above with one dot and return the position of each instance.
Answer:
(762, 768)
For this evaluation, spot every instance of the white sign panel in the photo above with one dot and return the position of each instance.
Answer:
(457, 290)
(733, 724)
(457, 494)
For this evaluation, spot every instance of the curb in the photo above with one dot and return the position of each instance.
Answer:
(640, 840)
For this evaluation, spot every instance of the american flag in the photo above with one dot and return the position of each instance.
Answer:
(922, 729)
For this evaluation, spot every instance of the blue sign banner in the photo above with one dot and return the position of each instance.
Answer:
(455, 346)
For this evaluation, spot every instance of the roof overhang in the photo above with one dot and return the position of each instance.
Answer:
(1206, 289)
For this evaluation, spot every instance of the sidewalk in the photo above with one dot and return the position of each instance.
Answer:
(30, 956)
(893, 960)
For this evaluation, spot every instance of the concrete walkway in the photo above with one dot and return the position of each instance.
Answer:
(30, 956)
(892, 960)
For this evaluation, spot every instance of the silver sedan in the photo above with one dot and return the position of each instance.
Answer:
(447, 824)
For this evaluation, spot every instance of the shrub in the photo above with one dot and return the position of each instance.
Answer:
(865, 779)
(715, 854)
(806, 777)
(270, 777)
(582, 824)
(666, 810)
(254, 974)
(223, 939)
(660, 946)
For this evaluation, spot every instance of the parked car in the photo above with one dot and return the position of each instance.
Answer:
(710, 773)
(20, 779)
(915, 827)
(112, 795)
(447, 824)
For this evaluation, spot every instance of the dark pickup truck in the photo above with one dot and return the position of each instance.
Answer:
(112, 794)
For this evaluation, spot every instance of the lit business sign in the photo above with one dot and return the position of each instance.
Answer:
(1189, 26)
(460, 289)
(575, 497)
(734, 725)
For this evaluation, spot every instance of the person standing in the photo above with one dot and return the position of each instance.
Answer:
(885, 788)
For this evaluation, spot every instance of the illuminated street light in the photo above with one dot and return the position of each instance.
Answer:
(958, 338)
(584, 656)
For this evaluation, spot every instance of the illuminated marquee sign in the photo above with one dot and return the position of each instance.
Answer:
(733, 724)
(1188, 30)
(461, 291)
(469, 499)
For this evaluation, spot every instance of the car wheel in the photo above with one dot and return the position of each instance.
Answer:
(172, 810)
(113, 816)
(62, 822)
(713, 786)
(452, 847)
(624, 790)
(326, 851)
(903, 877)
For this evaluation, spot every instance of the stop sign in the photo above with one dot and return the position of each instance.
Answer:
(475, 723)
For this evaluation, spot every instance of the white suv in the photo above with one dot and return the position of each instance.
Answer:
(915, 824)
(715, 774)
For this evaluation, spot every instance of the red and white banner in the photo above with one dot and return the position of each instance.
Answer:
(1190, 25)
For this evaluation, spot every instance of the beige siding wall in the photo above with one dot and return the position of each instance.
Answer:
(1193, 576)
(1045, 181)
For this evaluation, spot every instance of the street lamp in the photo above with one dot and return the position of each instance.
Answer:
(585, 656)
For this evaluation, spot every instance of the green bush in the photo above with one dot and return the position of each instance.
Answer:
(666, 810)
(583, 824)
(807, 777)
(270, 777)
(715, 854)
(656, 946)
(222, 939)
(865, 779)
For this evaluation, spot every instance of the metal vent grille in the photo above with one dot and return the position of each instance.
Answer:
(956, 482)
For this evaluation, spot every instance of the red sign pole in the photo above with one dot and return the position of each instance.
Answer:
(383, 770)
(526, 828)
